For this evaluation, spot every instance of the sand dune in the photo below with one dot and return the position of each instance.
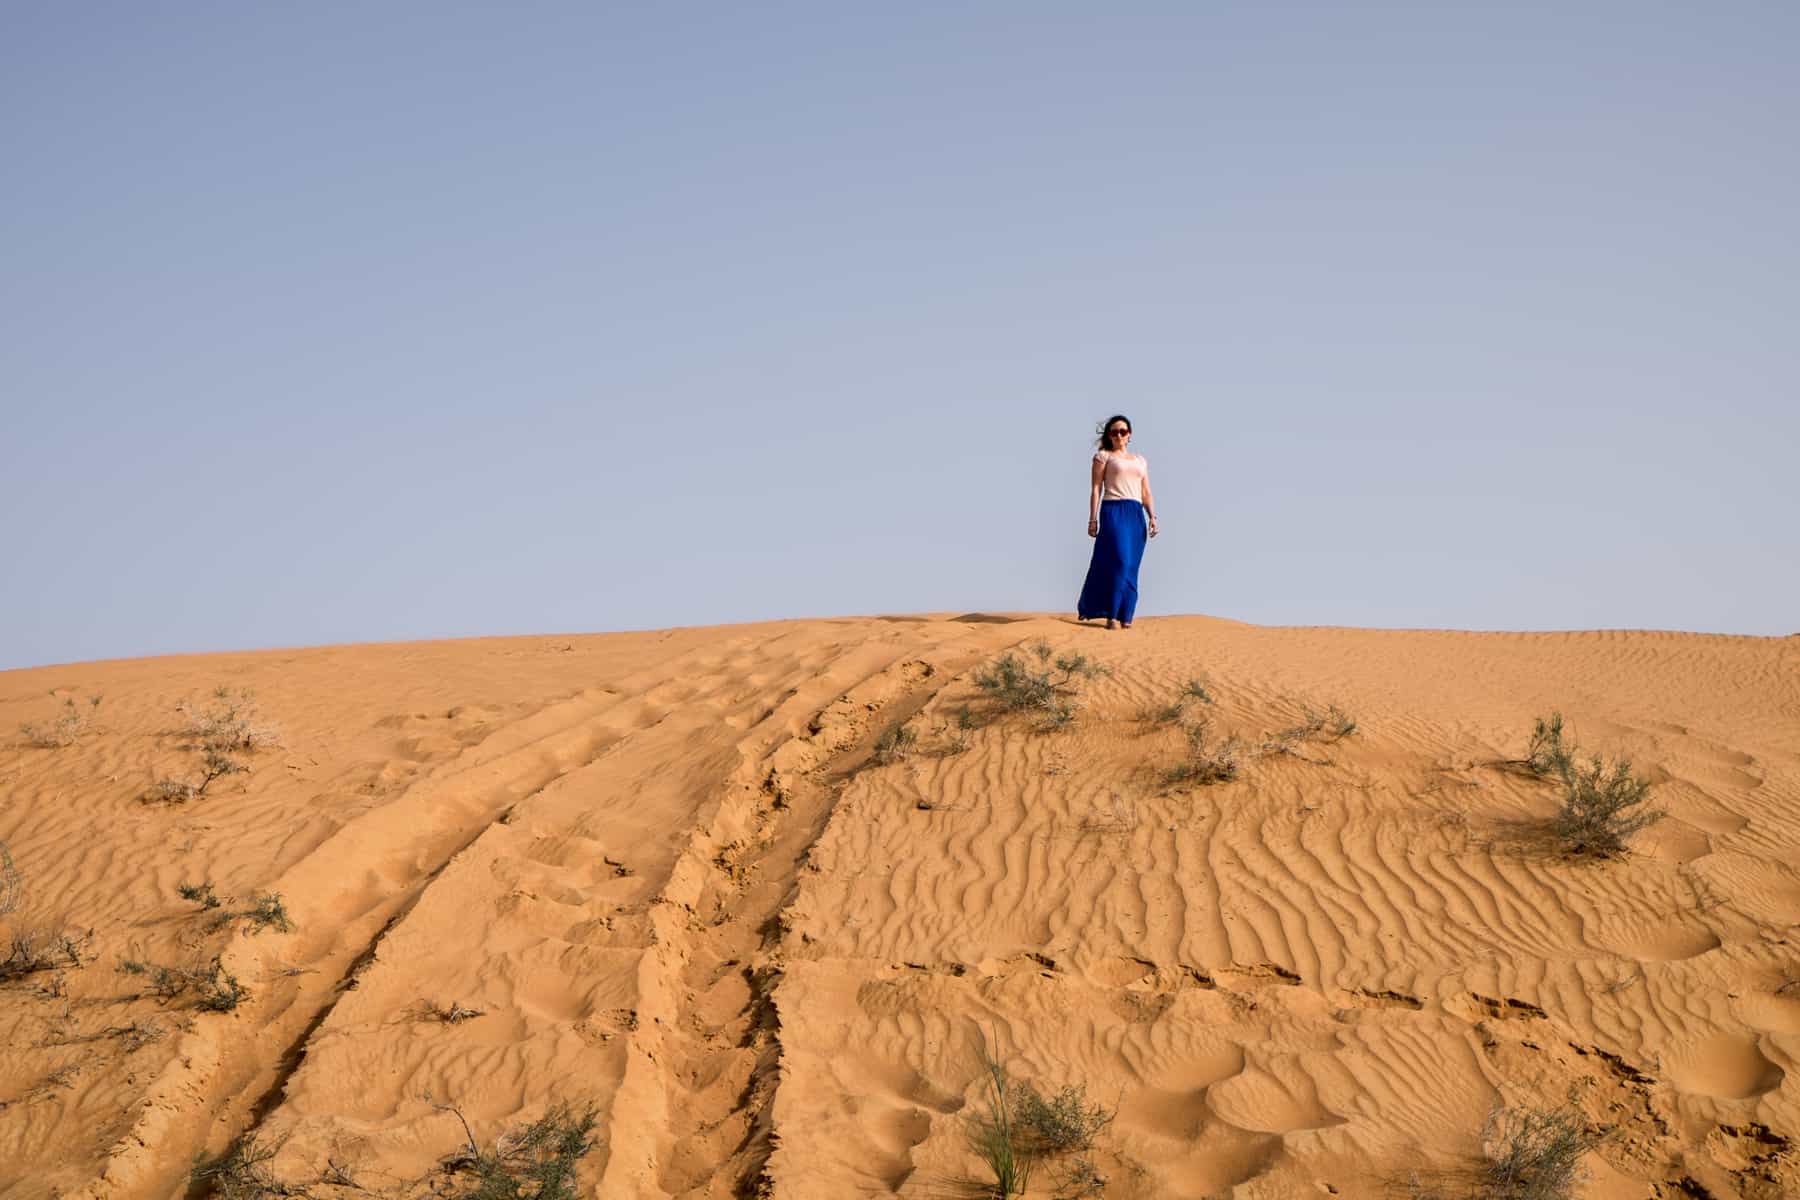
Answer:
(670, 877)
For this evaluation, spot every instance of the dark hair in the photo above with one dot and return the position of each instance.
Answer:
(1108, 424)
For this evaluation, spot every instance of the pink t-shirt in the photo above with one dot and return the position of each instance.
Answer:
(1123, 478)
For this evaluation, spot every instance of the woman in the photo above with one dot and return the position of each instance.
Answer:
(1118, 501)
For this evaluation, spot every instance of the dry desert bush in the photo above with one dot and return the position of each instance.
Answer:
(219, 732)
(1533, 1153)
(537, 1162)
(12, 884)
(1205, 763)
(240, 1173)
(1332, 725)
(231, 722)
(1193, 691)
(72, 720)
(1064, 1123)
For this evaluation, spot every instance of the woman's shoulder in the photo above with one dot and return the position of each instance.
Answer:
(1101, 456)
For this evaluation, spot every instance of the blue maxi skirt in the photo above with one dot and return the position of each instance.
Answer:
(1111, 587)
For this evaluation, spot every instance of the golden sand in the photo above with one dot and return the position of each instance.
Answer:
(666, 871)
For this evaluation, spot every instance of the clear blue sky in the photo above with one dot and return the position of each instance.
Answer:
(342, 322)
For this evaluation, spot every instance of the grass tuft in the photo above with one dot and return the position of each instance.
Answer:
(996, 1135)
(895, 743)
(1546, 756)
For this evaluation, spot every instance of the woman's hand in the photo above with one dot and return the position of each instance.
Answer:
(1152, 526)
(1093, 527)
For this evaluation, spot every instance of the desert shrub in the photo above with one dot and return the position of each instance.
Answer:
(1049, 687)
(241, 1173)
(33, 950)
(215, 989)
(268, 911)
(1168, 714)
(1078, 1179)
(895, 742)
(1205, 763)
(200, 893)
(1602, 806)
(12, 883)
(1546, 755)
(995, 1133)
(1331, 725)
(214, 764)
(455, 1014)
(958, 729)
(66, 728)
(1061, 1124)
(231, 723)
(536, 1163)
(1533, 1153)
(218, 732)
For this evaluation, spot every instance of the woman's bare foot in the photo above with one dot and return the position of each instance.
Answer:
(1124, 624)
(1109, 622)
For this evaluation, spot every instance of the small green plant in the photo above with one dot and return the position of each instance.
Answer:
(1194, 689)
(66, 728)
(1050, 687)
(1602, 806)
(241, 1173)
(215, 989)
(200, 893)
(1533, 1153)
(895, 743)
(1205, 763)
(535, 1163)
(958, 729)
(1062, 1124)
(995, 1134)
(1168, 714)
(1546, 755)
(268, 911)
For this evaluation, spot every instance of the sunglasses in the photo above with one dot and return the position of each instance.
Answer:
(1117, 432)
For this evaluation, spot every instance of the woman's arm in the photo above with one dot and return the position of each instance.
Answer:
(1096, 482)
(1149, 504)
